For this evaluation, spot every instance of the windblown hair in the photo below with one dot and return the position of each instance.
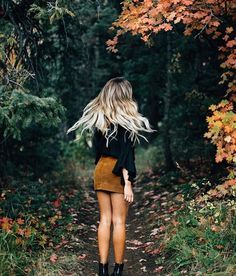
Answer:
(114, 106)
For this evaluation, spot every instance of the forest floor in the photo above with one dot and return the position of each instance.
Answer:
(146, 220)
(168, 231)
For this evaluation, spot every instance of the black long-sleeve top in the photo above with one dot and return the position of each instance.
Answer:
(120, 147)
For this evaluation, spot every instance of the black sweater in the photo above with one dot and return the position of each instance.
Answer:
(120, 147)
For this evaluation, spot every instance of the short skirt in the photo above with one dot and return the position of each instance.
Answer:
(104, 178)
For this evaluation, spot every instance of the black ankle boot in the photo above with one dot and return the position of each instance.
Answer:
(118, 269)
(103, 269)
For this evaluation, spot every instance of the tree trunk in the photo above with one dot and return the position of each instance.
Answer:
(169, 164)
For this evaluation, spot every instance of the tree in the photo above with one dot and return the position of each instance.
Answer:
(210, 19)
(22, 108)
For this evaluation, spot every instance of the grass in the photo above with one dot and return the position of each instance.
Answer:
(204, 242)
(40, 224)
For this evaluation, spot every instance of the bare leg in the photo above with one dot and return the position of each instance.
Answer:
(119, 213)
(104, 227)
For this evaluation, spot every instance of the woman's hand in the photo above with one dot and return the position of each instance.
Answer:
(128, 192)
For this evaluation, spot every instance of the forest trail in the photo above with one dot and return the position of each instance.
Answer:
(143, 230)
(136, 260)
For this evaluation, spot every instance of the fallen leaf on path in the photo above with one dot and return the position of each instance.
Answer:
(172, 209)
(215, 228)
(142, 260)
(131, 247)
(158, 269)
(219, 246)
(155, 251)
(162, 228)
(175, 222)
(154, 232)
(82, 256)
(136, 242)
(57, 203)
(180, 197)
(156, 197)
(53, 258)
(93, 227)
(144, 269)
(148, 193)
(20, 221)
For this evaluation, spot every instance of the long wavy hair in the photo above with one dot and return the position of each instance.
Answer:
(114, 106)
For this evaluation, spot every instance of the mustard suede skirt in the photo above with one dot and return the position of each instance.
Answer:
(104, 178)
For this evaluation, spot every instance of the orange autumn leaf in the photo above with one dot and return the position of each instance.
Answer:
(28, 232)
(57, 203)
(21, 231)
(53, 258)
(215, 228)
(175, 222)
(229, 30)
(20, 241)
(219, 246)
(158, 269)
(6, 224)
(167, 27)
(222, 131)
(20, 221)
(231, 43)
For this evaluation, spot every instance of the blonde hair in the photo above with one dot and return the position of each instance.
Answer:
(115, 106)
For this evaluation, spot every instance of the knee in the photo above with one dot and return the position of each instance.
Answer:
(105, 221)
(118, 221)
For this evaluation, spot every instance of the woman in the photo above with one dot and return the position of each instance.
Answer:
(116, 124)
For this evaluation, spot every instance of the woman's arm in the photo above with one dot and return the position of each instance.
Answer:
(126, 159)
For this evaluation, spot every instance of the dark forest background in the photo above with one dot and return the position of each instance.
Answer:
(173, 81)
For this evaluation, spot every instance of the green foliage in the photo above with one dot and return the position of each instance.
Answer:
(204, 241)
(55, 10)
(13, 258)
(19, 110)
(34, 216)
(148, 157)
(75, 161)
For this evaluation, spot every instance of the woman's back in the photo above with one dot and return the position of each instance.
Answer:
(120, 147)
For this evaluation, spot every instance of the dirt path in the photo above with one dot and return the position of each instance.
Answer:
(137, 260)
